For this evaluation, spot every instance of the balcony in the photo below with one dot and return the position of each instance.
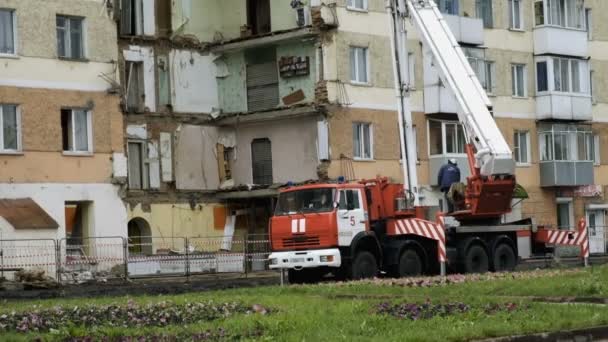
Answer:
(439, 99)
(560, 106)
(567, 153)
(466, 30)
(560, 41)
(446, 141)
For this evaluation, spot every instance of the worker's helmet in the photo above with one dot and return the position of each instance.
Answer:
(452, 161)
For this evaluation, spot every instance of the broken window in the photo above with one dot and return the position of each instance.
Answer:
(76, 130)
(134, 75)
(77, 226)
(163, 17)
(224, 156)
(262, 79)
(164, 91)
(258, 16)
(10, 124)
(139, 175)
(261, 158)
(70, 37)
(131, 18)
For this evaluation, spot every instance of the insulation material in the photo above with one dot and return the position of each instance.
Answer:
(137, 131)
(227, 137)
(193, 83)
(323, 140)
(228, 232)
(196, 158)
(153, 164)
(166, 158)
(119, 165)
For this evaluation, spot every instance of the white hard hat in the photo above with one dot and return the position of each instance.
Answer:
(452, 160)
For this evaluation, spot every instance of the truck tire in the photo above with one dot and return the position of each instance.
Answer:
(410, 264)
(364, 266)
(504, 258)
(476, 260)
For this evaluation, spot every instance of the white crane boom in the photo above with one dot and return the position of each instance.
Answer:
(493, 156)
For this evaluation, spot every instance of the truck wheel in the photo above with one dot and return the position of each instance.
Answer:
(410, 264)
(476, 260)
(364, 266)
(504, 258)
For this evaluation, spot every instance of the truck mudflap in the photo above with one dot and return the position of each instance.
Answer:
(556, 237)
(305, 259)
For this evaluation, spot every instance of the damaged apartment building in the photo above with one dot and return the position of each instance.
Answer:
(61, 145)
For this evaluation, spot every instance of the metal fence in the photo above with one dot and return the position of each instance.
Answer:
(110, 258)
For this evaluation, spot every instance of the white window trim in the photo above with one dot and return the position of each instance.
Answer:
(547, 16)
(584, 65)
(521, 27)
(444, 146)
(18, 115)
(83, 35)
(89, 151)
(525, 81)
(371, 141)
(589, 22)
(356, 82)
(528, 149)
(350, 6)
(597, 159)
(566, 200)
(15, 36)
(145, 164)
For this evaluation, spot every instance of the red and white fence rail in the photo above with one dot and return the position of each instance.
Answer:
(578, 237)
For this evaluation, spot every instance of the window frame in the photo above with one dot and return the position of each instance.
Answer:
(453, 10)
(517, 151)
(512, 15)
(479, 14)
(15, 34)
(569, 202)
(89, 116)
(68, 47)
(514, 79)
(567, 138)
(360, 125)
(351, 6)
(356, 61)
(563, 13)
(579, 77)
(144, 167)
(444, 143)
(597, 156)
(4, 150)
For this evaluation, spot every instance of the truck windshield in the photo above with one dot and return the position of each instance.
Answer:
(305, 201)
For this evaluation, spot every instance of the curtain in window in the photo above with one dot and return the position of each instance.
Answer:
(357, 141)
(7, 45)
(76, 38)
(81, 130)
(514, 14)
(541, 76)
(9, 129)
(576, 78)
(61, 39)
(367, 144)
(484, 11)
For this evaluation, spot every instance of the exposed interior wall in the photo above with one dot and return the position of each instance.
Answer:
(194, 88)
(293, 144)
(144, 55)
(209, 20)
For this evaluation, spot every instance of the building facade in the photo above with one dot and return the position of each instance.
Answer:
(61, 153)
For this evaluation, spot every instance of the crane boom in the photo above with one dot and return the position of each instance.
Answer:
(490, 157)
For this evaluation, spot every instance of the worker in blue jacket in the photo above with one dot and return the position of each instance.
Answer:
(448, 175)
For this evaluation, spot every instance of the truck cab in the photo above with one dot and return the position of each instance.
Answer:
(314, 226)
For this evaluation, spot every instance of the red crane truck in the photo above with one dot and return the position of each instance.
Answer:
(356, 229)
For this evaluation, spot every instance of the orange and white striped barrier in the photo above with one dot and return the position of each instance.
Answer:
(580, 238)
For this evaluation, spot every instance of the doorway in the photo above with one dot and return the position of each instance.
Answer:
(258, 16)
(595, 224)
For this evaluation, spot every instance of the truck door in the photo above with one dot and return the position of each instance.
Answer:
(351, 216)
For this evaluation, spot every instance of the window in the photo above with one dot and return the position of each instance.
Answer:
(7, 32)
(518, 78)
(134, 74)
(564, 213)
(70, 37)
(446, 137)
(566, 13)
(483, 68)
(357, 4)
(596, 150)
(567, 143)
(76, 130)
(589, 23)
(131, 22)
(592, 86)
(349, 197)
(139, 169)
(542, 82)
(448, 6)
(521, 147)
(539, 13)
(363, 140)
(515, 15)
(358, 65)
(412, 70)
(566, 75)
(484, 11)
(261, 159)
(10, 134)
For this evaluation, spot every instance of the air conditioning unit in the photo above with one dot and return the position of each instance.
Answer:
(303, 16)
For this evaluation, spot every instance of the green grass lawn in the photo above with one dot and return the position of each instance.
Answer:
(348, 311)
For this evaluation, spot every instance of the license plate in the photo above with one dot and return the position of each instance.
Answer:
(297, 260)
